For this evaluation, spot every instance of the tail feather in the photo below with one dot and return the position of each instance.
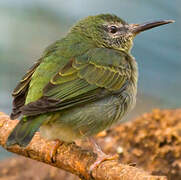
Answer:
(25, 130)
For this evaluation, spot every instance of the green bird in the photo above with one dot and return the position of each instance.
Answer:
(82, 84)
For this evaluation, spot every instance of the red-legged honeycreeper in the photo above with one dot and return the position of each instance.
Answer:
(82, 84)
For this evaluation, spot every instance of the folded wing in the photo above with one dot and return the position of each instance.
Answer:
(83, 79)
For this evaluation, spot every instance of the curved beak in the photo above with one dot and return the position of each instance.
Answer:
(137, 28)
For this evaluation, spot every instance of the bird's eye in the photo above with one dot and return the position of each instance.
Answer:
(113, 29)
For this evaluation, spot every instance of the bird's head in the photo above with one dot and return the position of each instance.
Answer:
(110, 31)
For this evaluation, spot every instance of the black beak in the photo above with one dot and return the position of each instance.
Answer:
(137, 28)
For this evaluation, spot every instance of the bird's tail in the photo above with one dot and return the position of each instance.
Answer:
(25, 130)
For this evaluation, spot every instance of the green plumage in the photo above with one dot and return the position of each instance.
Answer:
(81, 85)
(24, 130)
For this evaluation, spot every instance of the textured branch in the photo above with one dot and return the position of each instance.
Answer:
(71, 157)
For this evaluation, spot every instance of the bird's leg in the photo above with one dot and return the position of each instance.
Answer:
(52, 148)
(101, 156)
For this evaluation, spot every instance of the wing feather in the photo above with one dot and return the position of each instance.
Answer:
(20, 92)
(81, 81)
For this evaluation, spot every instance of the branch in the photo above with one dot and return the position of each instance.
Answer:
(71, 157)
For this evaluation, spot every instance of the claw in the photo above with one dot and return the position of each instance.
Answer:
(52, 148)
(101, 156)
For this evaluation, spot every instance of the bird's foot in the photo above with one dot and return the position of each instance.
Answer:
(52, 148)
(101, 156)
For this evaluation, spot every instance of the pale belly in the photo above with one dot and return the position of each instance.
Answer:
(87, 120)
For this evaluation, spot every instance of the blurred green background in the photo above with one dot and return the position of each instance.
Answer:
(27, 27)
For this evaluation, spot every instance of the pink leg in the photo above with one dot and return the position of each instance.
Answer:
(101, 156)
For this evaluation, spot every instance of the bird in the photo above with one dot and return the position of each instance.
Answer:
(82, 84)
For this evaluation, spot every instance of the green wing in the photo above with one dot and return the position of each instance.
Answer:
(86, 78)
(20, 92)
